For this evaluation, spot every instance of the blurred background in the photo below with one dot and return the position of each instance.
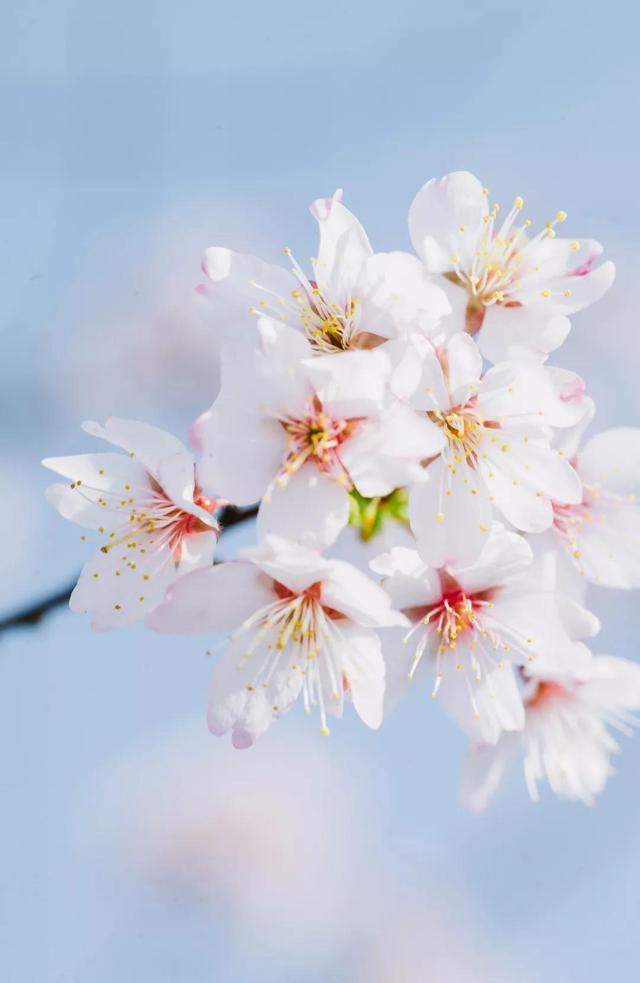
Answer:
(135, 846)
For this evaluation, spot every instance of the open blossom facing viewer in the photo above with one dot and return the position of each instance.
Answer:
(301, 623)
(496, 450)
(306, 430)
(516, 287)
(470, 626)
(353, 298)
(154, 522)
(566, 738)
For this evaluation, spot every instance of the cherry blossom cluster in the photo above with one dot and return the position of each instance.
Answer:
(408, 397)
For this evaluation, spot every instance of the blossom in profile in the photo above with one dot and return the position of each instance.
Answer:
(470, 627)
(566, 740)
(600, 534)
(496, 451)
(153, 520)
(513, 287)
(300, 623)
(352, 298)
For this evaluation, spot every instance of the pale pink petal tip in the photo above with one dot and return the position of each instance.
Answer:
(573, 391)
(321, 207)
(194, 438)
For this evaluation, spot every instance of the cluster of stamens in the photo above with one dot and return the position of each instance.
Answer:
(498, 267)
(463, 429)
(460, 620)
(300, 629)
(329, 327)
(315, 437)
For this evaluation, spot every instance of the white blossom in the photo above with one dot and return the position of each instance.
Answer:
(470, 625)
(516, 289)
(300, 623)
(353, 298)
(497, 452)
(153, 520)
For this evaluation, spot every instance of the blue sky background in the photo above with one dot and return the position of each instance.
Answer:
(134, 135)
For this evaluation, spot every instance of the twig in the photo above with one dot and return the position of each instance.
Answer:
(34, 613)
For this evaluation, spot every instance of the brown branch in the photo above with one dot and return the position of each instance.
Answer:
(35, 612)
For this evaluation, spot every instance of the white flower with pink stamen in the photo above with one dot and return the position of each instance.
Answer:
(469, 627)
(154, 522)
(300, 432)
(353, 298)
(566, 739)
(300, 623)
(513, 288)
(496, 453)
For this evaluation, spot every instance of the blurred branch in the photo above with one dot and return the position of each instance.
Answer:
(34, 613)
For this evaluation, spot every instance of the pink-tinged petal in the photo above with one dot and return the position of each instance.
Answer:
(352, 593)
(483, 770)
(213, 599)
(570, 293)
(312, 509)
(504, 555)
(545, 394)
(363, 670)
(445, 220)
(321, 207)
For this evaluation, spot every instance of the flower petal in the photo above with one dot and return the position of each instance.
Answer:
(349, 591)
(445, 219)
(312, 508)
(142, 441)
(483, 770)
(504, 555)
(363, 669)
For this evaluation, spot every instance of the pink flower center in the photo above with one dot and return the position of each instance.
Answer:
(316, 437)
